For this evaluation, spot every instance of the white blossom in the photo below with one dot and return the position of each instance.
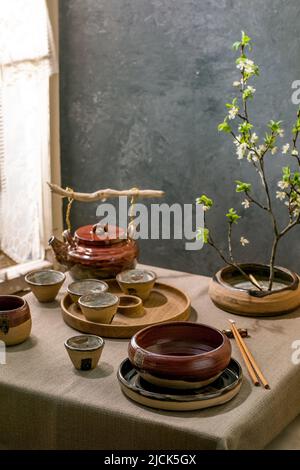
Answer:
(244, 241)
(283, 184)
(246, 203)
(274, 150)
(295, 207)
(295, 152)
(205, 208)
(233, 112)
(285, 148)
(281, 132)
(262, 148)
(236, 83)
(251, 89)
(237, 140)
(280, 195)
(296, 211)
(254, 138)
(251, 157)
(247, 65)
(241, 150)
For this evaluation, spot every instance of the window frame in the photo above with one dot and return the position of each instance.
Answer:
(12, 278)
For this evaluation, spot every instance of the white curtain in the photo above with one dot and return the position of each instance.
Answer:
(26, 61)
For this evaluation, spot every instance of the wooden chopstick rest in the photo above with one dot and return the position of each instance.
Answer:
(242, 331)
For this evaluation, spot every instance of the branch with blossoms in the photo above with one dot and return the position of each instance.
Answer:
(204, 234)
(248, 147)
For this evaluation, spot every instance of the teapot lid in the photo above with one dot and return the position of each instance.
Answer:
(99, 234)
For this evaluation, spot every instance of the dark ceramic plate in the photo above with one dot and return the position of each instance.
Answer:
(145, 393)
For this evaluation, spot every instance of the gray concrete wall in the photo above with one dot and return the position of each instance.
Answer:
(143, 87)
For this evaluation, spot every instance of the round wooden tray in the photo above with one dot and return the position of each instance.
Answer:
(166, 303)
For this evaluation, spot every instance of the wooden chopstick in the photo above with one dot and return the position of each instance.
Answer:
(242, 345)
(245, 357)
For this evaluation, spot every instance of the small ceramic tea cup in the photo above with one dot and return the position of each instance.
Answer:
(137, 282)
(85, 351)
(99, 308)
(86, 286)
(15, 320)
(45, 284)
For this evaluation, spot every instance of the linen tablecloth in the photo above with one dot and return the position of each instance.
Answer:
(45, 403)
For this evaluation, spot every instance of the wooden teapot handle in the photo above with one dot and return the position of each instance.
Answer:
(103, 194)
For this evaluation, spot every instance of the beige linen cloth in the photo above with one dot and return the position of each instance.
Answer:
(45, 403)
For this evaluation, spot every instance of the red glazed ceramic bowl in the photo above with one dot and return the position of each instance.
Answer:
(181, 351)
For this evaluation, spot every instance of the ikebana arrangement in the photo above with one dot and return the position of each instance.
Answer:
(256, 289)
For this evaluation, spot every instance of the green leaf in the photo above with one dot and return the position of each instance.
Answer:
(296, 179)
(231, 105)
(242, 187)
(245, 39)
(232, 216)
(206, 201)
(245, 127)
(203, 234)
(275, 126)
(224, 127)
(296, 127)
(236, 45)
(240, 59)
(286, 172)
(247, 94)
(269, 139)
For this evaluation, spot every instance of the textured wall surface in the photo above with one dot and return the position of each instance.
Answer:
(143, 87)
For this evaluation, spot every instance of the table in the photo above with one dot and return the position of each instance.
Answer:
(46, 404)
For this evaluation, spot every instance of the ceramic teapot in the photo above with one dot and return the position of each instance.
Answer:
(95, 251)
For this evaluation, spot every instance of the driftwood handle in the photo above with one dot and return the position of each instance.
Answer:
(103, 194)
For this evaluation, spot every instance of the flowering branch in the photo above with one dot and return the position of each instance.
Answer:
(247, 145)
(205, 235)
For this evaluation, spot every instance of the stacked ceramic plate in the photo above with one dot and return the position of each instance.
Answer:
(180, 366)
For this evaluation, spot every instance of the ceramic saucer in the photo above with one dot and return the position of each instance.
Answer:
(221, 391)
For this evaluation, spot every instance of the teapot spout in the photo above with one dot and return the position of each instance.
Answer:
(60, 250)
